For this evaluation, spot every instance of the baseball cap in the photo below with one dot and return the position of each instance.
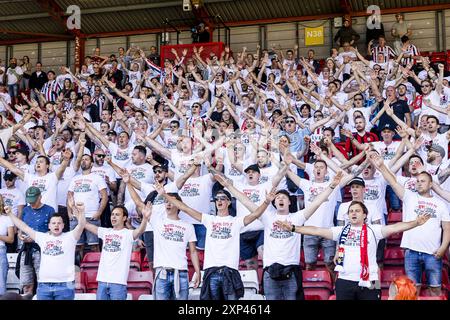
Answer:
(111, 132)
(387, 126)
(437, 148)
(9, 175)
(253, 167)
(358, 181)
(23, 151)
(32, 194)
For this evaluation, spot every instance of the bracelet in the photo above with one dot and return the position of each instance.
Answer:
(293, 228)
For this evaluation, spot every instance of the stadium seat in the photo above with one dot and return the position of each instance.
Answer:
(394, 257)
(316, 294)
(395, 216)
(252, 296)
(80, 282)
(201, 256)
(250, 280)
(194, 293)
(441, 297)
(85, 296)
(135, 260)
(12, 259)
(91, 279)
(395, 240)
(139, 282)
(144, 265)
(90, 260)
(145, 297)
(317, 279)
(387, 275)
(12, 282)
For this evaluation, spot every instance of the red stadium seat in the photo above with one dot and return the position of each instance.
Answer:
(144, 265)
(394, 257)
(317, 279)
(441, 297)
(201, 256)
(90, 260)
(395, 216)
(139, 282)
(80, 282)
(316, 294)
(395, 240)
(387, 275)
(135, 260)
(91, 279)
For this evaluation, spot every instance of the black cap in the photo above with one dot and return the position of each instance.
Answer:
(112, 132)
(358, 181)
(387, 126)
(9, 175)
(253, 167)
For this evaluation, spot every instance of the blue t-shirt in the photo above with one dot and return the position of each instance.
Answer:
(37, 219)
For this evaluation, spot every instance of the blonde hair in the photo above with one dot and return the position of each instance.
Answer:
(403, 288)
(2, 205)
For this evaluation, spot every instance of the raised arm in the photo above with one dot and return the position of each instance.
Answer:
(378, 162)
(177, 203)
(67, 154)
(261, 209)
(146, 214)
(20, 224)
(390, 229)
(323, 197)
(228, 184)
(11, 167)
(78, 210)
(312, 231)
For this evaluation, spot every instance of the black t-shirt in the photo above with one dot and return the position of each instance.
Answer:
(400, 108)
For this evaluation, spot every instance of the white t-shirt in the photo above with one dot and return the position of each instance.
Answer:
(427, 237)
(196, 193)
(7, 99)
(180, 163)
(86, 189)
(375, 193)
(329, 176)
(279, 245)
(352, 257)
(409, 183)
(63, 186)
(222, 241)
(171, 238)
(142, 173)
(375, 213)
(440, 139)
(387, 151)
(5, 223)
(105, 171)
(121, 157)
(116, 255)
(57, 257)
(257, 195)
(13, 198)
(47, 184)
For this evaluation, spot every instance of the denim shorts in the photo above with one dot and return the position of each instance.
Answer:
(87, 237)
(249, 242)
(417, 262)
(311, 246)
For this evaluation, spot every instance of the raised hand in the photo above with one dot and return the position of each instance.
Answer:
(160, 188)
(147, 210)
(67, 154)
(375, 159)
(337, 179)
(222, 180)
(284, 225)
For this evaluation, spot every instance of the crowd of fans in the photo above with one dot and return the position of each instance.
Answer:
(237, 154)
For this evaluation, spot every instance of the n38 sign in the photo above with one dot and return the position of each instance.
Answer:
(314, 36)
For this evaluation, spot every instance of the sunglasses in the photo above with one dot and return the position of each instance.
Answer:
(12, 152)
(289, 121)
(101, 155)
(318, 116)
(158, 171)
(221, 198)
(9, 179)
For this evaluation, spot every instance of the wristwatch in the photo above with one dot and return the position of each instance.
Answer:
(293, 228)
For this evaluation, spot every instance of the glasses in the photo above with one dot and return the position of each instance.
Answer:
(100, 155)
(289, 121)
(158, 171)
(221, 198)
(318, 116)
(12, 151)
(196, 106)
(358, 99)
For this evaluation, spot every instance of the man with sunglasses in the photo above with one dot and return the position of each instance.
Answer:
(296, 136)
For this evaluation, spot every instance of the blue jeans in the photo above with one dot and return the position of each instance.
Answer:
(393, 199)
(3, 269)
(165, 289)
(280, 289)
(200, 233)
(13, 90)
(111, 291)
(416, 262)
(56, 291)
(216, 287)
